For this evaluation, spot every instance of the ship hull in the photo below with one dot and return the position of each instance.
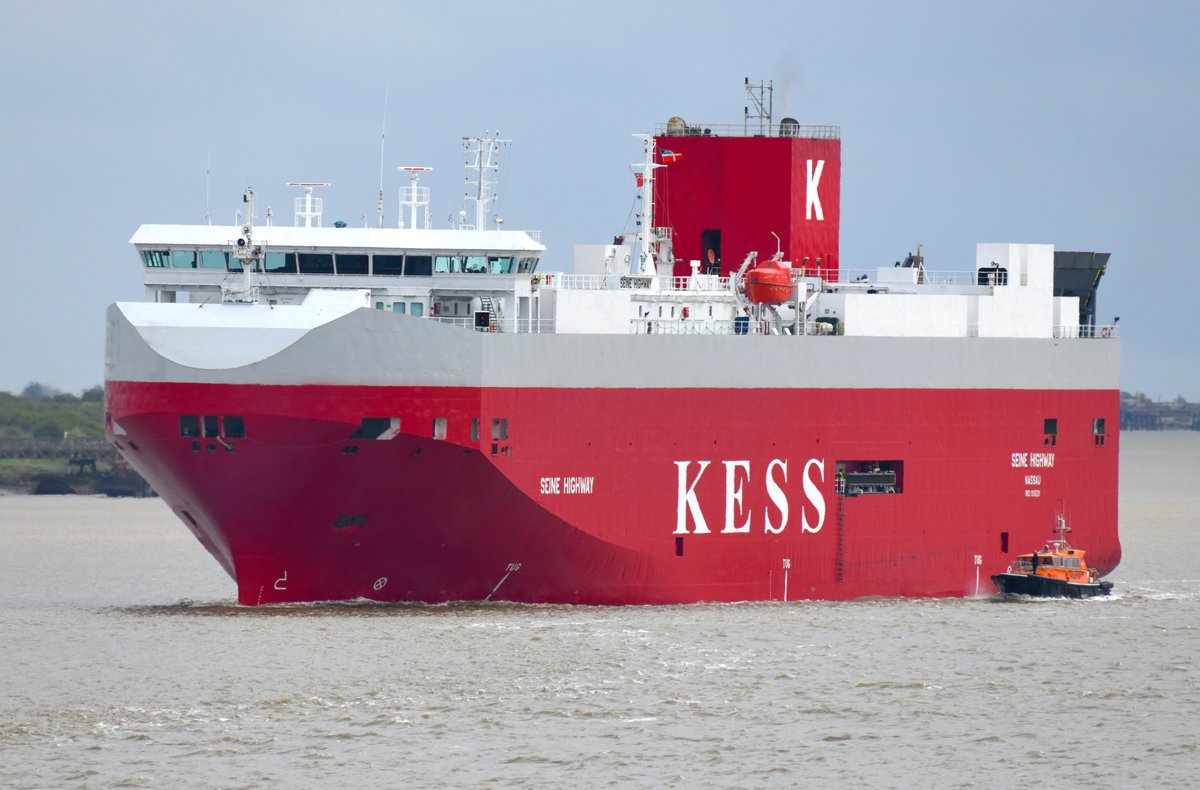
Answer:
(437, 464)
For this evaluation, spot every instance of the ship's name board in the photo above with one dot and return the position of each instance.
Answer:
(1036, 460)
(567, 485)
(739, 518)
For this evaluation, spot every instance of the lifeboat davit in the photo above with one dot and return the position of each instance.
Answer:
(769, 283)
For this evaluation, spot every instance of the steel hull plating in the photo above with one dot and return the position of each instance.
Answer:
(618, 495)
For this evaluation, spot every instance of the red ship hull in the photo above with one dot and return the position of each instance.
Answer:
(603, 496)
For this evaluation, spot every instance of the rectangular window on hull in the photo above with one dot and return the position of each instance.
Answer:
(500, 429)
(1004, 543)
(1050, 431)
(856, 478)
(439, 427)
(375, 427)
(1098, 431)
(212, 428)
(235, 427)
(189, 425)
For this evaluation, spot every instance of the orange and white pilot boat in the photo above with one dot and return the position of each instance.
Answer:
(1056, 571)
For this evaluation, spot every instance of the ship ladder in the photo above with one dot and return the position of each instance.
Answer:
(841, 538)
(485, 305)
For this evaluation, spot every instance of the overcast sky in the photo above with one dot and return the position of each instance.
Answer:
(1070, 123)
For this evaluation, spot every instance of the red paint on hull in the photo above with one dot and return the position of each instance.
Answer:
(293, 515)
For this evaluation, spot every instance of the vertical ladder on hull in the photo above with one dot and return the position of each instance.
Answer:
(841, 538)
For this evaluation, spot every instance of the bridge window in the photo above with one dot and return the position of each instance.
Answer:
(389, 265)
(351, 264)
(212, 259)
(280, 263)
(183, 259)
(315, 262)
(500, 265)
(155, 259)
(445, 264)
(419, 266)
(527, 265)
(475, 264)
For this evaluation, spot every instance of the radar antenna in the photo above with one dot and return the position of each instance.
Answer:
(308, 207)
(414, 197)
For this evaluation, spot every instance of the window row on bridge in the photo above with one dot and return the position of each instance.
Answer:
(391, 264)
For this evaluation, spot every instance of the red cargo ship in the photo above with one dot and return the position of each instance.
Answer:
(419, 414)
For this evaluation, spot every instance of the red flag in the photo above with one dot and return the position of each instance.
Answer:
(638, 177)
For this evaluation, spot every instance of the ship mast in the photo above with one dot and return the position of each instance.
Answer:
(648, 259)
(481, 167)
(249, 253)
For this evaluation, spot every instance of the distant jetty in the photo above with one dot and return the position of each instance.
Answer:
(1139, 413)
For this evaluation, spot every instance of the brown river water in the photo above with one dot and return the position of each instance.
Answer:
(124, 662)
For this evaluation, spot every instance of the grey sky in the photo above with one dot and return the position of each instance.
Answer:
(1071, 123)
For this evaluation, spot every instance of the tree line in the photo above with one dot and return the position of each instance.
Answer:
(44, 412)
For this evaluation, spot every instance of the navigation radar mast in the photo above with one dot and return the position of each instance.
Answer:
(308, 207)
(414, 197)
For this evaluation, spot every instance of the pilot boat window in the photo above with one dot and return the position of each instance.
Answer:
(183, 259)
(392, 265)
(398, 307)
(475, 264)
(351, 264)
(417, 309)
(500, 265)
(445, 264)
(527, 265)
(418, 266)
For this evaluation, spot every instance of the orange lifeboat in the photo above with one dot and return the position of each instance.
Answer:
(769, 283)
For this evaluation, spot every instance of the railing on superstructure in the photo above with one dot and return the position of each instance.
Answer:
(804, 131)
(520, 326)
(603, 282)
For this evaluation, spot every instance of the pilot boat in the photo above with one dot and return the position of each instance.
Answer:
(1057, 570)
